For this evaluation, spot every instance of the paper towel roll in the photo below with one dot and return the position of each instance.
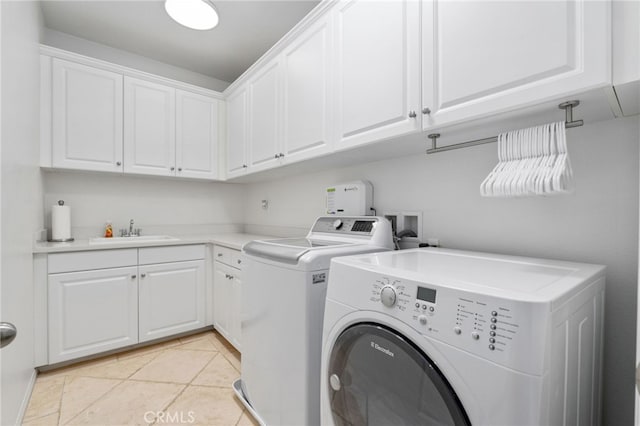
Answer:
(60, 222)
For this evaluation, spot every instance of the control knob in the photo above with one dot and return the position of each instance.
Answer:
(388, 296)
(337, 224)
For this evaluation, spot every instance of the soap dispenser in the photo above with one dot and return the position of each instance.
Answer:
(108, 230)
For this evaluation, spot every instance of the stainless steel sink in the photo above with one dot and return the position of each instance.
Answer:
(133, 240)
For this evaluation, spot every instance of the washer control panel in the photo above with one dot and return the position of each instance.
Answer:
(346, 225)
(498, 329)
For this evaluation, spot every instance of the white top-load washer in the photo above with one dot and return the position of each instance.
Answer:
(446, 337)
(284, 288)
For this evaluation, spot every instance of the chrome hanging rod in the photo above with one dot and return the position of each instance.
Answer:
(569, 123)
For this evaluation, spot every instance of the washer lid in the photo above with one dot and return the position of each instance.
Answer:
(288, 250)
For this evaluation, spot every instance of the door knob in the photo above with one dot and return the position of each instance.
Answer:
(426, 111)
(8, 333)
(143, 275)
(412, 114)
(118, 163)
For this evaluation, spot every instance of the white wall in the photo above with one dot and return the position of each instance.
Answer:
(597, 224)
(106, 53)
(151, 201)
(20, 27)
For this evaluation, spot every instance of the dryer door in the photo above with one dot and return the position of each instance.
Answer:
(379, 377)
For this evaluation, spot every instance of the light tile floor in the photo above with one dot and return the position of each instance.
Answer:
(182, 381)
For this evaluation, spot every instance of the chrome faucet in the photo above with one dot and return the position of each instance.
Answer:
(132, 232)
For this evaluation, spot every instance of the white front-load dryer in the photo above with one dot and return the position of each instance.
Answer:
(445, 337)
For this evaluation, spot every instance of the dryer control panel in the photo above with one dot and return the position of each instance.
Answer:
(497, 329)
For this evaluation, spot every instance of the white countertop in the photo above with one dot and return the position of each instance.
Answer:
(231, 240)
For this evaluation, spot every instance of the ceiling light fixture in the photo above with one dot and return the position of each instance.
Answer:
(195, 14)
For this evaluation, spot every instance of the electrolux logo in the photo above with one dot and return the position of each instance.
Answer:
(350, 188)
(385, 351)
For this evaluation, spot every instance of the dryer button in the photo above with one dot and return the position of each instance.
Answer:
(492, 340)
(493, 326)
(334, 381)
(475, 335)
(492, 333)
(457, 330)
(494, 320)
(422, 319)
(492, 347)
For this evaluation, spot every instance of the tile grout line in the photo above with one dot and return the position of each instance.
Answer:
(172, 401)
(121, 381)
(27, 420)
(64, 386)
(186, 386)
(91, 403)
(67, 378)
(129, 379)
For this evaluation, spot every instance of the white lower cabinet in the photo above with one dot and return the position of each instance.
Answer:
(171, 298)
(227, 294)
(103, 300)
(91, 312)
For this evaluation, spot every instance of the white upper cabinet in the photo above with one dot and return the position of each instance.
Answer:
(307, 93)
(86, 117)
(103, 117)
(264, 117)
(237, 133)
(377, 70)
(196, 135)
(149, 128)
(482, 58)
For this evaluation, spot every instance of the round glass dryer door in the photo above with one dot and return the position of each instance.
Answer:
(378, 377)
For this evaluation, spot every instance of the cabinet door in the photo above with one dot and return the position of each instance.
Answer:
(92, 312)
(149, 128)
(307, 94)
(235, 321)
(87, 117)
(221, 299)
(483, 58)
(264, 118)
(377, 70)
(196, 135)
(171, 298)
(237, 132)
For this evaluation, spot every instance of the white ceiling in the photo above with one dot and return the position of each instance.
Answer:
(247, 29)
